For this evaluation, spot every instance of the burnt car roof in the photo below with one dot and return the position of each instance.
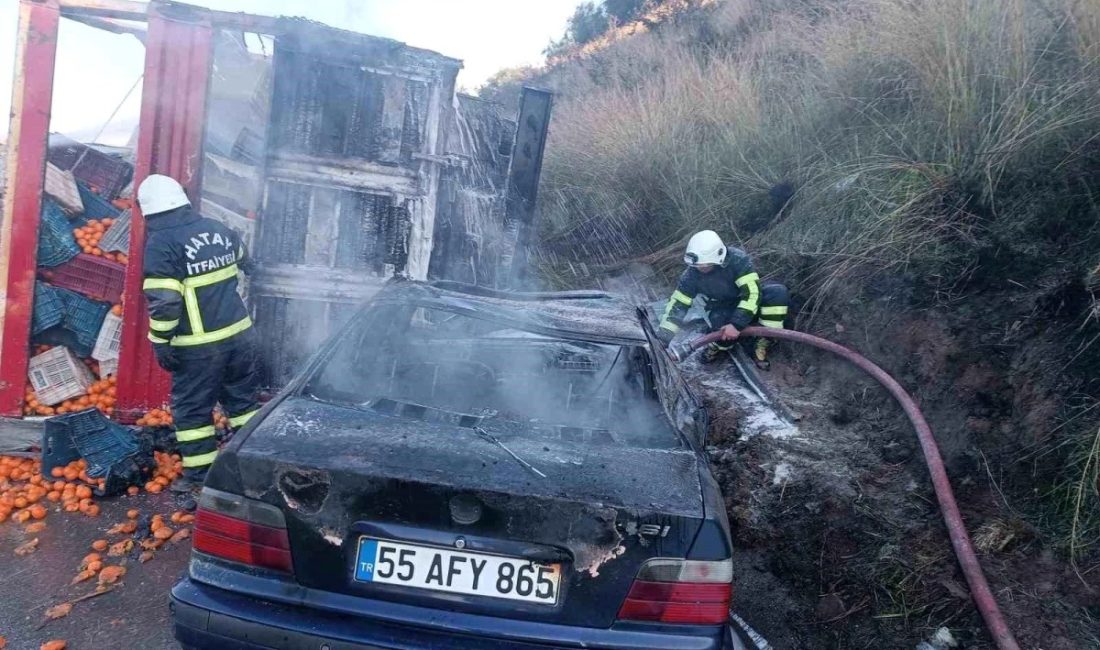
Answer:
(586, 315)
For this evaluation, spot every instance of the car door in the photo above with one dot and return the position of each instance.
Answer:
(682, 406)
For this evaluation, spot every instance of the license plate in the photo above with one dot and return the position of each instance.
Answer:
(460, 572)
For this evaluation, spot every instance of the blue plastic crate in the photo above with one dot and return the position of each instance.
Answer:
(49, 308)
(84, 318)
(56, 244)
(95, 206)
(87, 434)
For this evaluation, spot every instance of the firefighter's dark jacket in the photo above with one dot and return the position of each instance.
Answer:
(733, 284)
(191, 265)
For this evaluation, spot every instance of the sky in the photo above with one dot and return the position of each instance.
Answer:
(95, 70)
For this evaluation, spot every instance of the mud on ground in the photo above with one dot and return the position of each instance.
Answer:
(839, 542)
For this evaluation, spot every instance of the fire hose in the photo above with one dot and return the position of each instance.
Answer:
(960, 540)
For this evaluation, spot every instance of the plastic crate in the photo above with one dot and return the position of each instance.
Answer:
(109, 341)
(108, 367)
(57, 375)
(56, 244)
(49, 308)
(90, 275)
(84, 318)
(108, 173)
(95, 206)
(88, 435)
(117, 237)
(61, 187)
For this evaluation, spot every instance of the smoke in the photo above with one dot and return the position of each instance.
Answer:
(329, 154)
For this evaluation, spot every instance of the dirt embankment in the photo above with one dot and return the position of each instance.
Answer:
(840, 542)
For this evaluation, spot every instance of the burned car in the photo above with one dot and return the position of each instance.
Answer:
(465, 468)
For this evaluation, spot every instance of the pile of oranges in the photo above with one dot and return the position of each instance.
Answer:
(156, 418)
(100, 395)
(31, 405)
(88, 237)
(25, 494)
(169, 467)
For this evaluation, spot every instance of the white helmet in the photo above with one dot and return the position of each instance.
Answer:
(159, 193)
(705, 247)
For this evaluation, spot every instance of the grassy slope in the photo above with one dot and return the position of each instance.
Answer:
(937, 158)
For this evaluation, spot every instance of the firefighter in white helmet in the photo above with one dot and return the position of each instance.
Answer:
(198, 324)
(734, 296)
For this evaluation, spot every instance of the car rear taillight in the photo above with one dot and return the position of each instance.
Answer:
(680, 591)
(242, 530)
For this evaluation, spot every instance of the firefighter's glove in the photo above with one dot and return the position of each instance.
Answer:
(166, 357)
(665, 336)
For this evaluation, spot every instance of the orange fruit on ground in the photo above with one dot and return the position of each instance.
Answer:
(132, 490)
(100, 545)
(53, 495)
(57, 472)
(132, 514)
(38, 511)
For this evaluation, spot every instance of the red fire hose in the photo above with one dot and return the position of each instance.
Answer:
(960, 540)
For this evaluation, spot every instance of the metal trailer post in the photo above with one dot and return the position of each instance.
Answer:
(32, 94)
(170, 140)
(523, 178)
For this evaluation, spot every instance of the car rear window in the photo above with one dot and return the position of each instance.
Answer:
(449, 367)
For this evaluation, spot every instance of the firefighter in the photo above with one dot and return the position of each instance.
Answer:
(198, 323)
(735, 297)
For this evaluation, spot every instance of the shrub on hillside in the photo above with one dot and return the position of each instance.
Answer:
(953, 143)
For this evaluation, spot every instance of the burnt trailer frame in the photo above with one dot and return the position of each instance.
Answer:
(177, 80)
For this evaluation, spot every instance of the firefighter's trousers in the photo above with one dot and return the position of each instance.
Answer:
(224, 372)
(774, 303)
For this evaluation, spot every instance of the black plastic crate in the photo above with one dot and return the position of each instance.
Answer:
(95, 206)
(56, 244)
(87, 434)
(49, 308)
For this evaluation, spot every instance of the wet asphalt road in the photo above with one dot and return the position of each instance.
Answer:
(134, 615)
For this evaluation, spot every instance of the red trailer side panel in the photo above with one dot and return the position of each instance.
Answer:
(32, 94)
(173, 111)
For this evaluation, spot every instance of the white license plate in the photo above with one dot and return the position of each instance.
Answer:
(460, 572)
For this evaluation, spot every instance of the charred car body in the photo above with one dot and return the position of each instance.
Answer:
(460, 468)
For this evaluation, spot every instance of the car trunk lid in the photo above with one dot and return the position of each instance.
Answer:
(342, 473)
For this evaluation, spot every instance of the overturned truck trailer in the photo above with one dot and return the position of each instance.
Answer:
(345, 160)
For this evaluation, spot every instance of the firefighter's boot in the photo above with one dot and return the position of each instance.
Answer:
(714, 352)
(760, 353)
